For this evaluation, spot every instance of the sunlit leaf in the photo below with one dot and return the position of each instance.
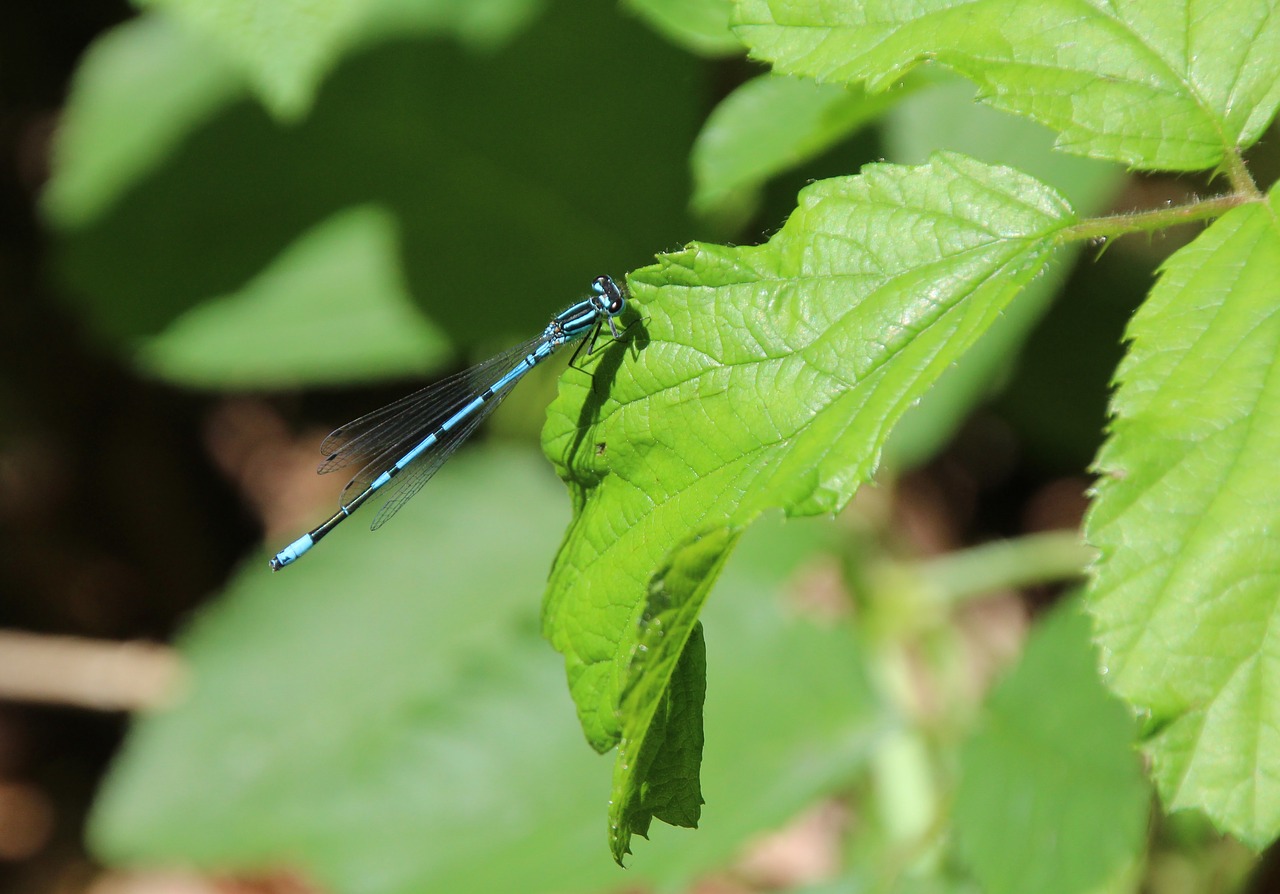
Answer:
(765, 377)
(331, 308)
(1185, 516)
(1152, 83)
(944, 116)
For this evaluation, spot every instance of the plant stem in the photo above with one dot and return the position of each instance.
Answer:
(1034, 559)
(1238, 173)
(1122, 224)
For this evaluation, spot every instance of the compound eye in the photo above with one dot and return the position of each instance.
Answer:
(608, 289)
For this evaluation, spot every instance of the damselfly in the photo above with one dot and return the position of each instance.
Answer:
(402, 445)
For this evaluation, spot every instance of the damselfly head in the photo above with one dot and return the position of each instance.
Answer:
(614, 300)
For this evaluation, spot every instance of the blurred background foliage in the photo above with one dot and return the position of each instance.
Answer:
(214, 249)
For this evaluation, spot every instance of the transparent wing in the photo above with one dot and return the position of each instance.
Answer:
(376, 440)
(419, 472)
(423, 411)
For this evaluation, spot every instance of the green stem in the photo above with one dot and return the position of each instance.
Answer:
(1238, 173)
(1122, 224)
(1004, 564)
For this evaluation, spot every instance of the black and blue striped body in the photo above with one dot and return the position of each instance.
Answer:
(436, 440)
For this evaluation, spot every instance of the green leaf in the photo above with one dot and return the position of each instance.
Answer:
(282, 48)
(409, 126)
(944, 116)
(482, 26)
(821, 721)
(1153, 84)
(700, 26)
(1052, 797)
(768, 125)
(660, 777)
(660, 749)
(285, 48)
(377, 661)
(337, 291)
(384, 717)
(145, 85)
(139, 89)
(767, 377)
(1185, 517)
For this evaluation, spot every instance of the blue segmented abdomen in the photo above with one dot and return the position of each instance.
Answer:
(378, 436)
(465, 413)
